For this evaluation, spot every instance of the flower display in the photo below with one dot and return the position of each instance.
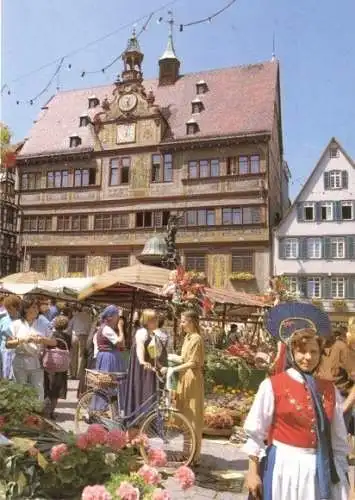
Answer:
(185, 477)
(187, 290)
(2, 421)
(97, 434)
(116, 439)
(218, 418)
(97, 492)
(150, 475)
(82, 441)
(127, 491)
(140, 440)
(157, 457)
(159, 494)
(57, 452)
(32, 421)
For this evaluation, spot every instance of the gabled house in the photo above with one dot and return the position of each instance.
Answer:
(314, 245)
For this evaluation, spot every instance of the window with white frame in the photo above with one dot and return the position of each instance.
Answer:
(314, 248)
(292, 284)
(337, 288)
(309, 212)
(314, 288)
(347, 210)
(327, 211)
(335, 179)
(337, 248)
(291, 248)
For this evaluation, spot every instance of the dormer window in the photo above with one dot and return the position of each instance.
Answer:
(93, 102)
(333, 151)
(197, 106)
(191, 127)
(84, 121)
(74, 141)
(201, 87)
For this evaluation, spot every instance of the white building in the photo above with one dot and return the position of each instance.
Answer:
(314, 245)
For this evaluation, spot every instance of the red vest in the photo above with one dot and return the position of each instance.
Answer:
(294, 417)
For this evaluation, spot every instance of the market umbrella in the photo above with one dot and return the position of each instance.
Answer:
(137, 276)
(28, 277)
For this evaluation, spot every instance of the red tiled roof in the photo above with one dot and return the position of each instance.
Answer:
(240, 100)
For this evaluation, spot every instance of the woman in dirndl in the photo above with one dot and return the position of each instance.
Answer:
(110, 344)
(301, 417)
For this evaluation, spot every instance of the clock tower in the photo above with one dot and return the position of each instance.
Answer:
(132, 61)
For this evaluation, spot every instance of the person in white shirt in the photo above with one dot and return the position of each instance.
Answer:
(79, 327)
(28, 344)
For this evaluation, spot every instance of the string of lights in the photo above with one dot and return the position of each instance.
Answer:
(63, 61)
(208, 18)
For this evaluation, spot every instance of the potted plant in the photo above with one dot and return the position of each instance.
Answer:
(339, 305)
(241, 276)
(318, 303)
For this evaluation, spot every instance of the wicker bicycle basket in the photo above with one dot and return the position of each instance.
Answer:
(101, 380)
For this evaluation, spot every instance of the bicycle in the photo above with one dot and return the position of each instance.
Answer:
(163, 425)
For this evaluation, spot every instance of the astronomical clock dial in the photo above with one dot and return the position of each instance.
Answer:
(126, 132)
(127, 102)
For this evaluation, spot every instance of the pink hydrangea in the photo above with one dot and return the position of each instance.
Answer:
(127, 491)
(157, 457)
(32, 421)
(82, 441)
(149, 475)
(116, 439)
(185, 477)
(141, 439)
(97, 434)
(57, 452)
(160, 494)
(96, 492)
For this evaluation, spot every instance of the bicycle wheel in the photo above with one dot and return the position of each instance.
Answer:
(92, 405)
(170, 431)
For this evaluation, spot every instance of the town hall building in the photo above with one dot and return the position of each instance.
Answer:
(103, 169)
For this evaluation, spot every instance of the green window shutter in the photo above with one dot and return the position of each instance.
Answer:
(300, 212)
(318, 209)
(302, 245)
(282, 254)
(350, 247)
(326, 248)
(344, 179)
(351, 287)
(326, 178)
(326, 288)
(302, 280)
(337, 210)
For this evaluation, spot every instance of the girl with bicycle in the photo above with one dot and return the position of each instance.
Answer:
(190, 388)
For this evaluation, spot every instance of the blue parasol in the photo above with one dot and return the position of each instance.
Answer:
(284, 319)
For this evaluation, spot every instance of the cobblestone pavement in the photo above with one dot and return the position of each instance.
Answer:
(216, 455)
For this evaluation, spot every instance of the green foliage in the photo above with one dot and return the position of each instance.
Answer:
(17, 401)
(5, 135)
(231, 371)
(145, 491)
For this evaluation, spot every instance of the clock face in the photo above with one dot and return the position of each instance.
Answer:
(126, 133)
(127, 102)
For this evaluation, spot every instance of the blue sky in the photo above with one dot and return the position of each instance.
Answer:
(314, 43)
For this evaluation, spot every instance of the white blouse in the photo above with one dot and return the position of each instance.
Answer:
(260, 417)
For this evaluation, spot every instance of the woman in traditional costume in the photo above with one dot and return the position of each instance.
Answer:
(190, 388)
(147, 355)
(110, 343)
(301, 418)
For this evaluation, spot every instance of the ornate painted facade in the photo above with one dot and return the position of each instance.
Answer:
(103, 169)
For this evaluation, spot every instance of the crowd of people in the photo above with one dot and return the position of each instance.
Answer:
(30, 327)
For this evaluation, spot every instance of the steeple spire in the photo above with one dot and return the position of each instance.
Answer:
(169, 64)
(170, 50)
